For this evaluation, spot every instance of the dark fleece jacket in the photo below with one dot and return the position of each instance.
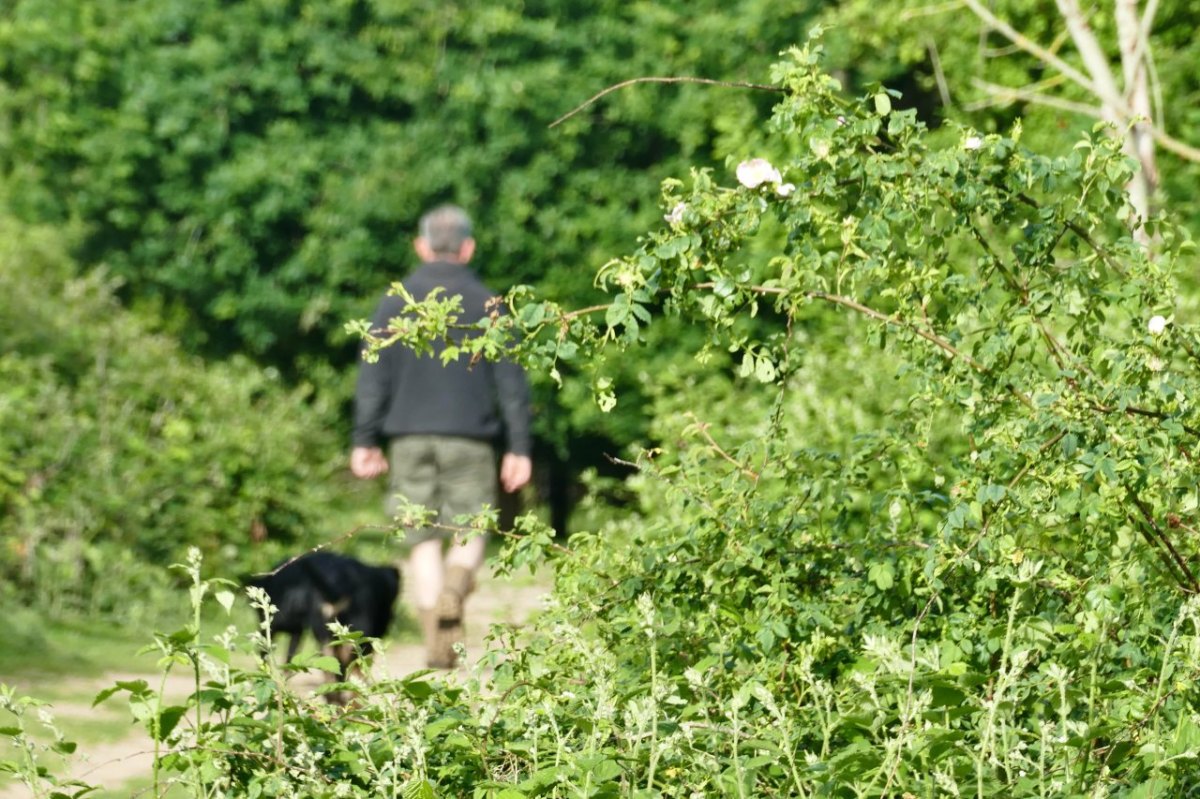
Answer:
(404, 393)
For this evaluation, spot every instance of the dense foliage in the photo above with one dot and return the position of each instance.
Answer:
(918, 517)
(1024, 502)
(117, 450)
(260, 166)
(922, 523)
(253, 172)
(962, 68)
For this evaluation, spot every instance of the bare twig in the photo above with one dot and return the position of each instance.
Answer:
(700, 500)
(1181, 149)
(854, 305)
(572, 315)
(928, 11)
(702, 428)
(1075, 228)
(679, 79)
(940, 76)
(1134, 410)
(1030, 46)
(1104, 84)
(380, 528)
(515, 537)
(1160, 119)
(1137, 90)
(1193, 585)
(383, 528)
(929, 336)
(1110, 98)
(1139, 56)
(1007, 94)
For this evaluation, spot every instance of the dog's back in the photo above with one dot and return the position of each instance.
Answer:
(320, 587)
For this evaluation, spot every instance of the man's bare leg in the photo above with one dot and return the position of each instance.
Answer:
(468, 555)
(425, 577)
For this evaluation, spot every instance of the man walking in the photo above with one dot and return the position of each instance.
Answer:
(442, 424)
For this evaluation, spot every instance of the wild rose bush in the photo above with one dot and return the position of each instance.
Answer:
(919, 518)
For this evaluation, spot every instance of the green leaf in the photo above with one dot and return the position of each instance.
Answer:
(326, 663)
(618, 311)
(217, 652)
(605, 770)
(883, 104)
(225, 599)
(417, 689)
(724, 287)
(418, 789)
(991, 493)
(168, 718)
(764, 369)
(1070, 444)
(439, 726)
(882, 574)
(183, 636)
(134, 687)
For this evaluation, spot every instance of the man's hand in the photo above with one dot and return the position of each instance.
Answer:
(515, 471)
(367, 462)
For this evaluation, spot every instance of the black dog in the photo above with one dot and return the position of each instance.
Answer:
(318, 588)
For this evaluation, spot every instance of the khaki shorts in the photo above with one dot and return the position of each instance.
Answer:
(446, 474)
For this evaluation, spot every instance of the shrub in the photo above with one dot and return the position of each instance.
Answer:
(120, 451)
(971, 578)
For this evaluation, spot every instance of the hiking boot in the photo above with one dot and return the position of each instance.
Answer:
(447, 629)
(437, 654)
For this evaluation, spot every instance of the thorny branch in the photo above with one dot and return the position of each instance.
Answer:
(702, 428)
(1192, 586)
(681, 79)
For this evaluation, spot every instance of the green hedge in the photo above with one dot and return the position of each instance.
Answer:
(117, 450)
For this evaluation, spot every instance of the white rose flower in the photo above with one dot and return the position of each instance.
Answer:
(1155, 364)
(1156, 325)
(785, 189)
(757, 171)
(972, 143)
(676, 215)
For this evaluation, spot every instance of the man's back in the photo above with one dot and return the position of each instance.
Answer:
(406, 393)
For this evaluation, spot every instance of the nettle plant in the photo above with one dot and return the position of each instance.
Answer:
(979, 583)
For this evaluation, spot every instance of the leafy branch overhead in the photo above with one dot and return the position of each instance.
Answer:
(910, 239)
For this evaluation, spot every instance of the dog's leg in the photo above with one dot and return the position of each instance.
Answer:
(293, 646)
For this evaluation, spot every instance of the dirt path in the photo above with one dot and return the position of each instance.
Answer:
(113, 764)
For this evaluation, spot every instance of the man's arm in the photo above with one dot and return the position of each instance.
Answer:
(515, 472)
(371, 396)
(367, 462)
(512, 389)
